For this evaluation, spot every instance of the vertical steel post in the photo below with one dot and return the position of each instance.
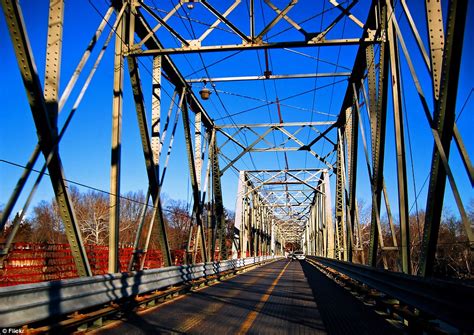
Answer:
(198, 148)
(435, 29)
(198, 169)
(341, 247)
(352, 173)
(339, 210)
(117, 101)
(273, 238)
(400, 150)
(317, 221)
(253, 225)
(313, 227)
(378, 119)
(131, 23)
(252, 19)
(218, 202)
(372, 85)
(244, 236)
(197, 208)
(356, 76)
(156, 112)
(53, 61)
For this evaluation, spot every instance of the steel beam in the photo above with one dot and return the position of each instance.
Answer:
(216, 23)
(218, 202)
(400, 149)
(434, 21)
(276, 125)
(358, 73)
(142, 29)
(464, 155)
(280, 16)
(444, 117)
(352, 165)
(115, 165)
(372, 87)
(223, 19)
(158, 26)
(90, 47)
(272, 76)
(46, 137)
(156, 112)
(416, 34)
(53, 61)
(37, 150)
(253, 46)
(378, 120)
(164, 24)
(438, 142)
(329, 237)
(360, 65)
(197, 208)
(151, 167)
(340, 247)
(287, 18)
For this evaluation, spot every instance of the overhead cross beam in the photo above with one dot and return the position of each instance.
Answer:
(253, 46)
(289, 131)
(142, 29)
(252, 40)
(272, 77)
(289, 206)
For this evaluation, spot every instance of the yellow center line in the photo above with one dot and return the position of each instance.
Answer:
(214, 307)
(253, 314)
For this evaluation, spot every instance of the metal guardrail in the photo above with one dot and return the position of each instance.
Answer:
(27, 303)
(451, 301)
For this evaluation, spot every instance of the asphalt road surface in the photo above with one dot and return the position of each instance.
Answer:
(282, 297)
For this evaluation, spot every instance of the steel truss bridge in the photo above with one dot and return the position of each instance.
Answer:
(313, 204)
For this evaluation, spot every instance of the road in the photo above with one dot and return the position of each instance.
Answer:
(282, 297)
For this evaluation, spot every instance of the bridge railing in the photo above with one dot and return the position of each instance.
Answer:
(24, 304)
(451, 301)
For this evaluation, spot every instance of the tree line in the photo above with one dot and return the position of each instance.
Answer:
(44, 224)
(454, 256)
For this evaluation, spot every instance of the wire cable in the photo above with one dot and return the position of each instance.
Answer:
(284, 99)
(215, 63)
(410, 150)
(465, 103)
(73, 182)
(214, 88)
(308, 19)
(274, 102)
(315, 85)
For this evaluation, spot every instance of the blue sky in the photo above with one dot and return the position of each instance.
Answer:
(85, 149)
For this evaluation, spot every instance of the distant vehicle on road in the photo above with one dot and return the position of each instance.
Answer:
(299, 255)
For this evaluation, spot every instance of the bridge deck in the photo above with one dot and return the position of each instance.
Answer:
(279, 298)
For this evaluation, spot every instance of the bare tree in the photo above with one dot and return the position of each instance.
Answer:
(47, 223)
(179, 223)
(92, 212)
(131, 207)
